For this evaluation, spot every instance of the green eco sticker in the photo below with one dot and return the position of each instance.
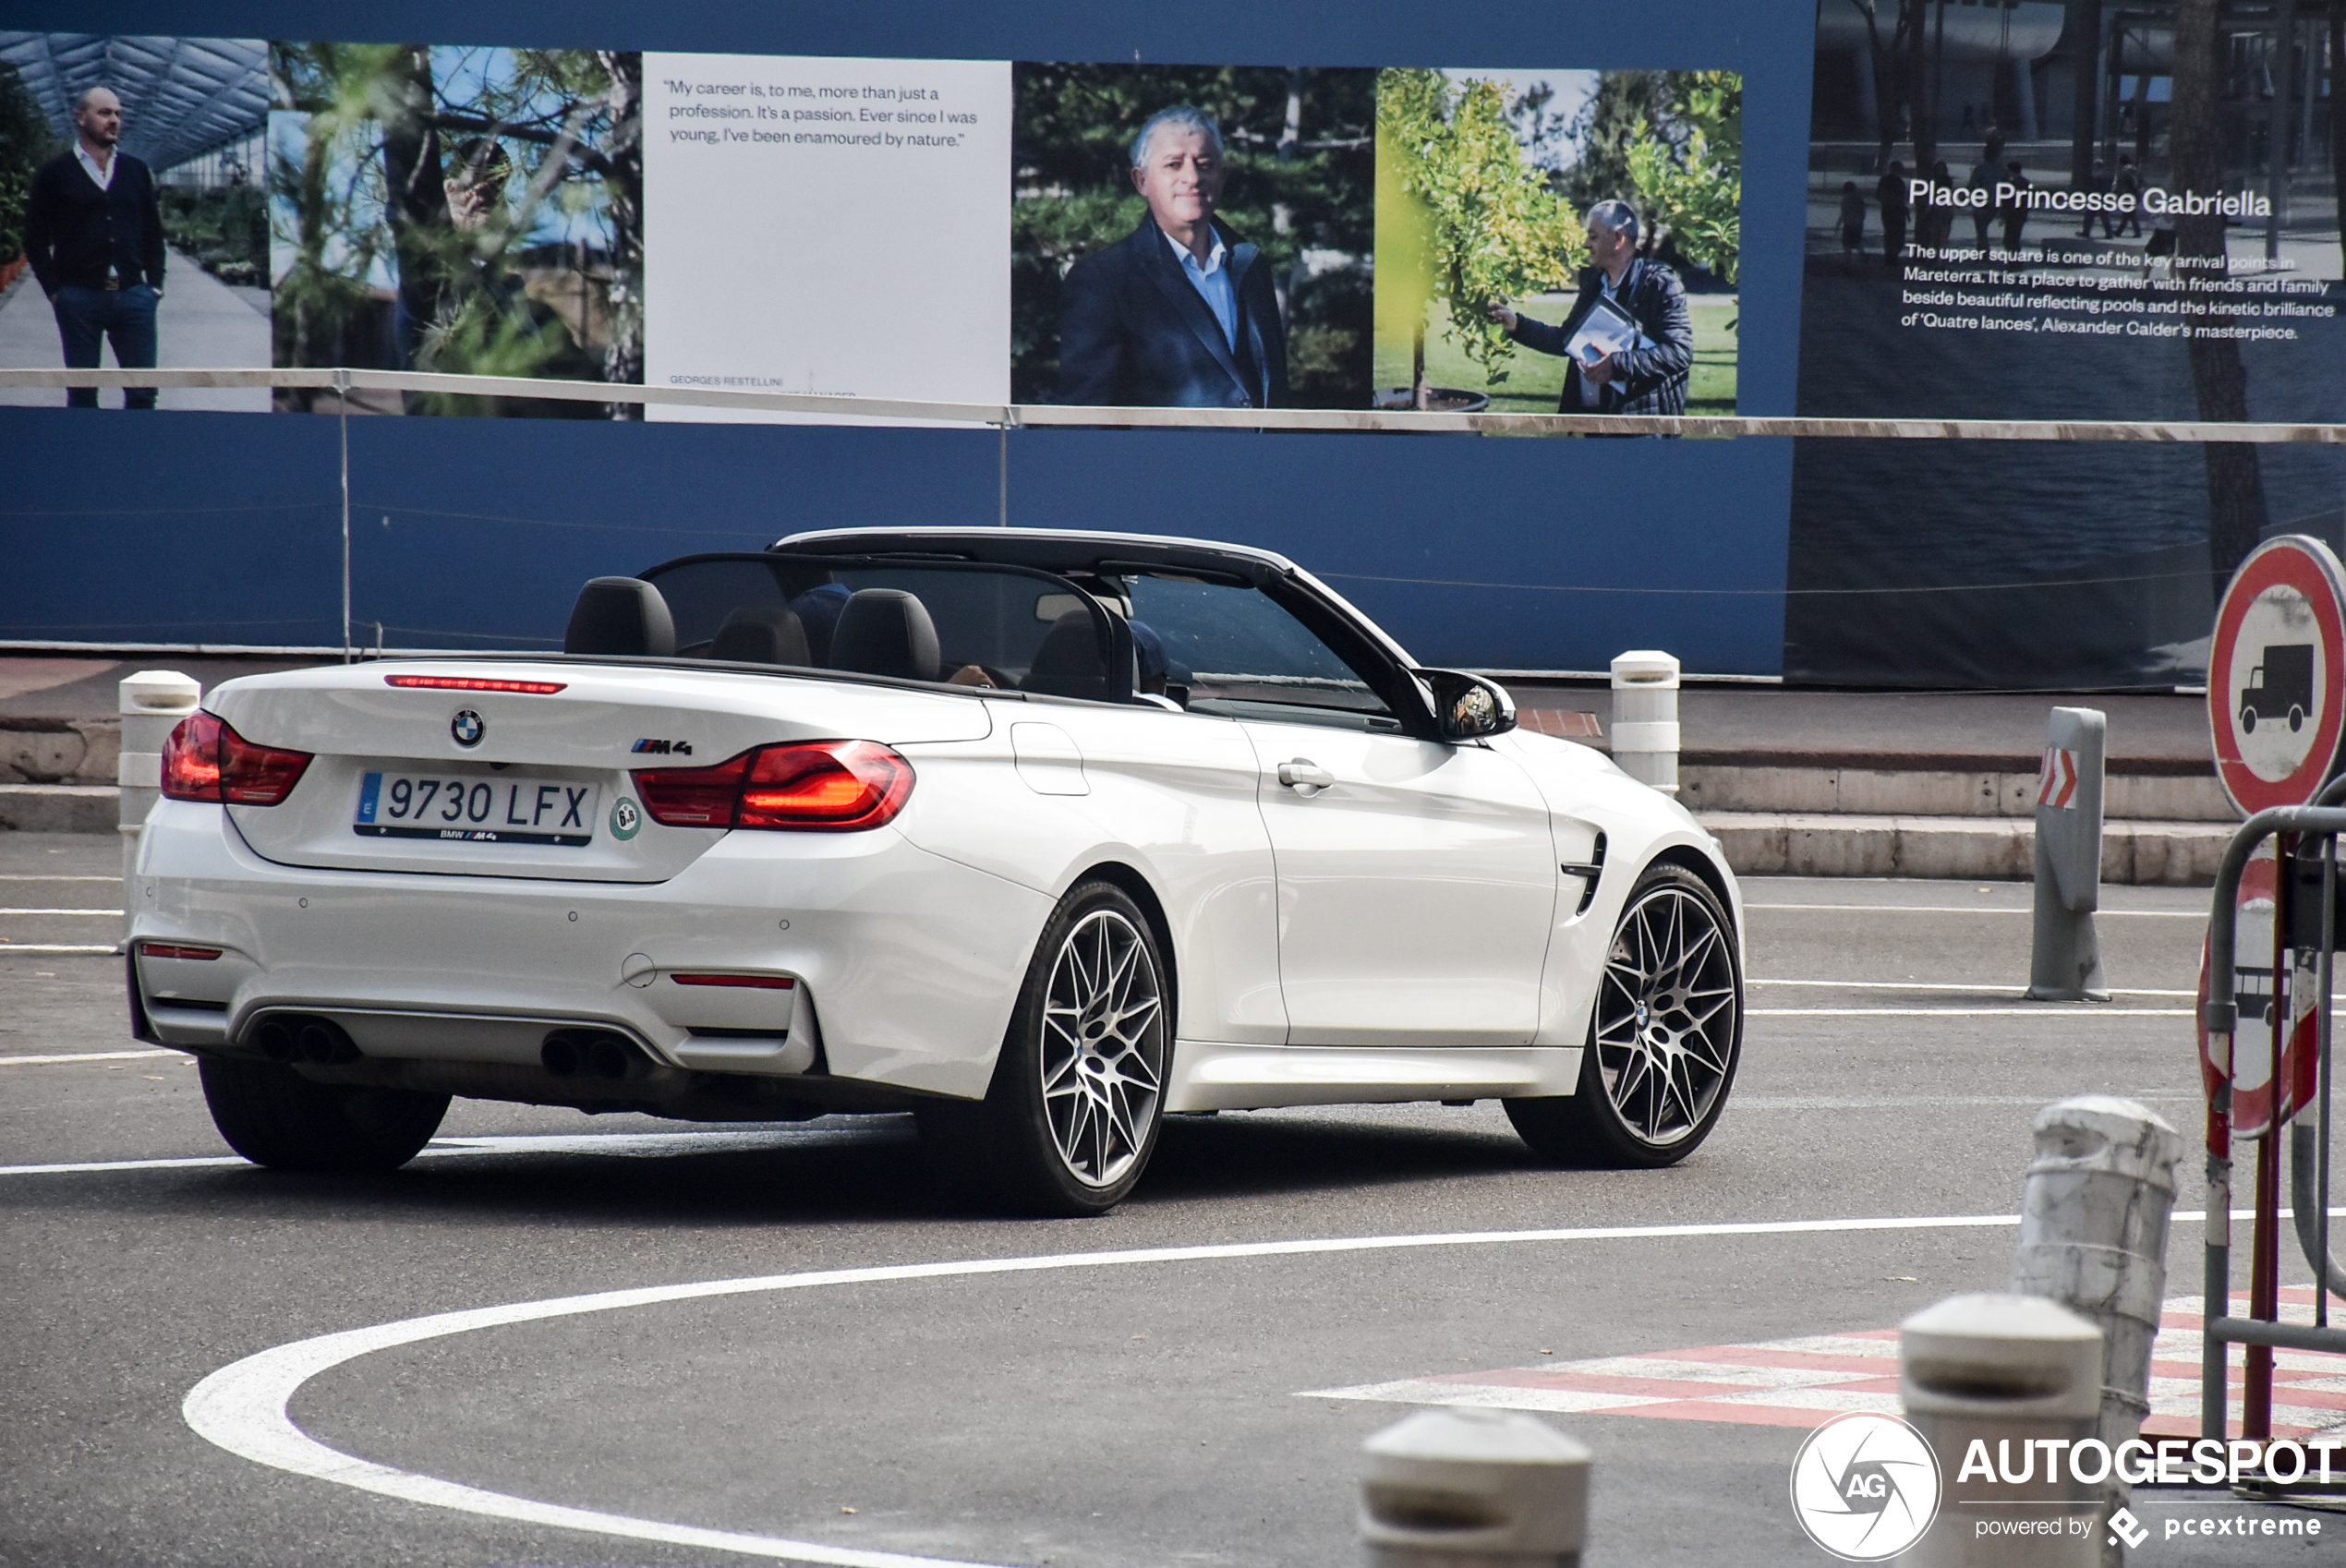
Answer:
(626, 817)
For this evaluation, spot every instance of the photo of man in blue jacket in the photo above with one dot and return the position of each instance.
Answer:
(1180, 313)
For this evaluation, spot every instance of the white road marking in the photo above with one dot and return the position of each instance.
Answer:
(1742, 1102)
(243, 1407)
(116, 914)
(81, 1056)
(89, 1167)
(8, 946)
(638, 1145)
(29, 877)
(1976, 908)
(2011, 991)
(2035, 1012)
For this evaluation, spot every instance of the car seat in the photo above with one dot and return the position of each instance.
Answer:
(885, 632)
(1068, 664)
(620, 615)
(761, 634)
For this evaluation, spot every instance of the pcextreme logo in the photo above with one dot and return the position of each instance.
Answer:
(1865, 1487)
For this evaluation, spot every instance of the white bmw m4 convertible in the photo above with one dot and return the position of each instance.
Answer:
(1039, 835)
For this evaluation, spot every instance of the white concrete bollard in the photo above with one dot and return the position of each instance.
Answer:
(153, 702)
(1645, 718)
(2093, 1235)
(1474, 1488)
(2011, 1372)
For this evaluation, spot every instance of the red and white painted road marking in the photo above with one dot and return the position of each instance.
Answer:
(1807, 1382)
(2057, 779)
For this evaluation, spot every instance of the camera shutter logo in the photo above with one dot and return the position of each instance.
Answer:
(1865, 1487)
(468, 727)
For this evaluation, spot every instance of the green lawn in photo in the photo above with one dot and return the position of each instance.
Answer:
(1535, 380)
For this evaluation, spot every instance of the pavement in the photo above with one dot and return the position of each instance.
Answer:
(1076, 1411)
(202, 323)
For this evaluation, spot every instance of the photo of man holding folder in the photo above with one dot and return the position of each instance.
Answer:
(1629, 338)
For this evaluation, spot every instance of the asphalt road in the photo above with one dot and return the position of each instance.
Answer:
(1150, 1411)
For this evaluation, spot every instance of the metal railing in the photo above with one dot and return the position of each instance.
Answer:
(2309, 1147)
(1021, 415)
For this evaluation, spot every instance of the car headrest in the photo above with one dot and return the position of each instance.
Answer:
(1068, 664)
(885, 632)
(761, 634)
(620, 615)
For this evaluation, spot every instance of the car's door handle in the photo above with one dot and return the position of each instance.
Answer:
(1305, 775)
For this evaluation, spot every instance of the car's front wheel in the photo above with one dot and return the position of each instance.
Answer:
(1664, 1041)
(273, 1117)
(1078, 1094)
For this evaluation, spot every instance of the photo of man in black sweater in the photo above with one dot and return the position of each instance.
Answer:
(93, 232)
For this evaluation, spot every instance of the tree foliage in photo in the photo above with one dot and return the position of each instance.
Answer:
(366, 183)
(26, 143)
(1300, 145)
(1691, 183)
(1489, 226)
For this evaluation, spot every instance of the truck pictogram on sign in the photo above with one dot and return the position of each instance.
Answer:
(2281, 686)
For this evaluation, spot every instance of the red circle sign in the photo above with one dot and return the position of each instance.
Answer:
(2276, 674)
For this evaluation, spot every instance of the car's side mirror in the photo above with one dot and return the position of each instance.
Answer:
(1468, 707)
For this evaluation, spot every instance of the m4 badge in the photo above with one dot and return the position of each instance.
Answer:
(663, 748)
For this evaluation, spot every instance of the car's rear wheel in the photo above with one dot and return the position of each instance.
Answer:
(1078, 1094)
(273, 1117)
(1664, 1041)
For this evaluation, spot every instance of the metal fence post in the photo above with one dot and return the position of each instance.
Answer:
(1645, 718)
(1474, 1488)
(153, 702)
(2064, 961)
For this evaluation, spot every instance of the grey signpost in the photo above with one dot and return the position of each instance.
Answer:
(2064, 961)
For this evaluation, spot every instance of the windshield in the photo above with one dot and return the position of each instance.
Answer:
(1227, 649)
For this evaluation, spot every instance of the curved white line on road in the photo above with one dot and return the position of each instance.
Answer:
(243, 1407)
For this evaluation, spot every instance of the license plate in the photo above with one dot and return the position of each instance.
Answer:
(476, 810)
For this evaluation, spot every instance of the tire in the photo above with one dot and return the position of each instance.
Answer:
(2248, 722)
(273, 1117)
(1078, 1094)
(1664, 1037)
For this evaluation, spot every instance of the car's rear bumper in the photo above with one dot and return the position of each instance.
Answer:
(904, 964)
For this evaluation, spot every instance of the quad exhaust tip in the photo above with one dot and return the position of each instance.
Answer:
(591, 1052)
(299, 1037)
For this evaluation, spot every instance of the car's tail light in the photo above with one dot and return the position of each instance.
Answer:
(741, 982)
(206, 760)
(822, 786)
(476, 683)
(178, 950)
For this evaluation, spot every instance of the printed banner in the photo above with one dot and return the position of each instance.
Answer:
(2057, 211)
(1515, 240)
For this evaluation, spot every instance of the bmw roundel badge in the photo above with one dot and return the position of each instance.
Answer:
(468, 727)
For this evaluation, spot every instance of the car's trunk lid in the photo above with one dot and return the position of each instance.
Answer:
(540, 783)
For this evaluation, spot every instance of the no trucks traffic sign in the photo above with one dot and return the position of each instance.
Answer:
(2276, 674)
